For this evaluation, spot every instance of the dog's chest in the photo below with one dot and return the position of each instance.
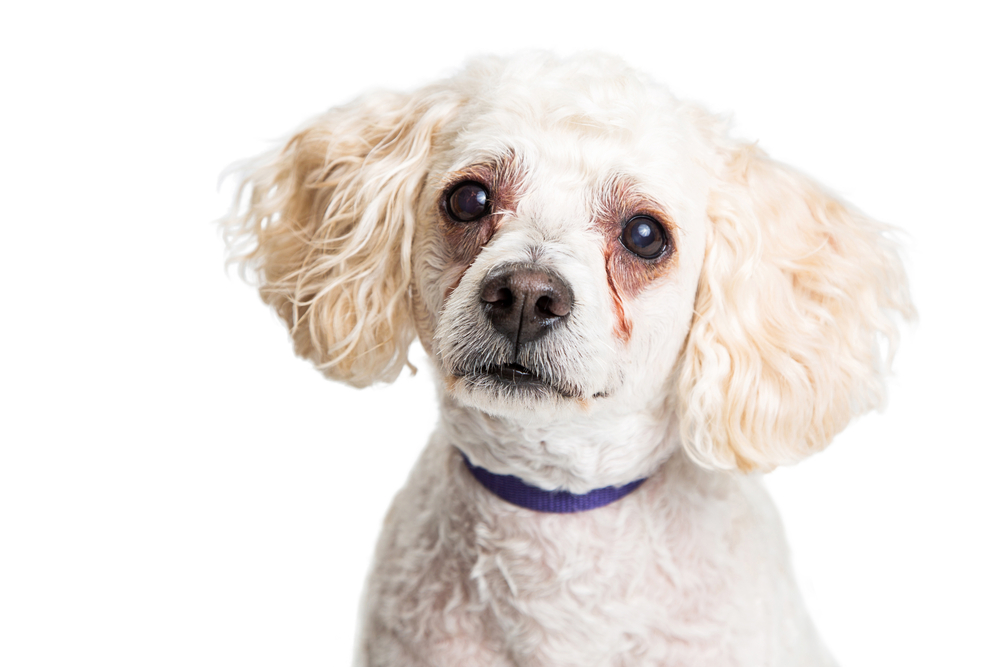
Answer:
(624, 586)
(658, 578)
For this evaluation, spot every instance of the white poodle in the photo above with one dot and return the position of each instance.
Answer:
(629, 314)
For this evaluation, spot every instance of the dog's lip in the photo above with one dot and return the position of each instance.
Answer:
(512, 373)
(509, 373)
(515, 375)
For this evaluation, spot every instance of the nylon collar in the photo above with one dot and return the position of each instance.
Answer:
(517, 492)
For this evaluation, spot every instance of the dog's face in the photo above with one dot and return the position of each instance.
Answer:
(558, 252)
(567, 239)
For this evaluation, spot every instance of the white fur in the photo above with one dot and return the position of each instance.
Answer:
(762, 335)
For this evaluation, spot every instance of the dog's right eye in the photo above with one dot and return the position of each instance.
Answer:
(468, 201)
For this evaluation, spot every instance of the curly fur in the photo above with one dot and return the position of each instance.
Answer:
(765, 330)
(792, 333)
(329, 231)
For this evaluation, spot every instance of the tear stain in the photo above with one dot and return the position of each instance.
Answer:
(623, 325)
(504, 178)
(618, 201)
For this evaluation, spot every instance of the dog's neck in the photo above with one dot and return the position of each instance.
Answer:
(575, 452)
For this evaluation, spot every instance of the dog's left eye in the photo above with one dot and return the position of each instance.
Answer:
(645, 237)
(468, 201)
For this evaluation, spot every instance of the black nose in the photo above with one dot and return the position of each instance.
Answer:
(523, 302)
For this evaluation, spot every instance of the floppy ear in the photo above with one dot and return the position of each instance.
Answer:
(328, 227)
(794, 323)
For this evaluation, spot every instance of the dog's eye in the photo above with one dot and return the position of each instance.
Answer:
(468, 201)
(644, 237)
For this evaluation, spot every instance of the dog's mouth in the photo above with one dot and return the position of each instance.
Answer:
(514, 377)
(512, 373)
(509, 373)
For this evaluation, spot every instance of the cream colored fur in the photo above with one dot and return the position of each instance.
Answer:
(770, 329)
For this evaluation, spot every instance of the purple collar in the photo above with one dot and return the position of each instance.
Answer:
(515, 491)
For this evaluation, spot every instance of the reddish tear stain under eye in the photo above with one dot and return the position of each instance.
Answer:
(628, 275)
(623, 326)
(504, 181)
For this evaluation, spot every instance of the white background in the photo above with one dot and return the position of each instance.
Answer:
(177, 489)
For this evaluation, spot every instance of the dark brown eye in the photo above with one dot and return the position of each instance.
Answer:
(644, 237)
(468, 201)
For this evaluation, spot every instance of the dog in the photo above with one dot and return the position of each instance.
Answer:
(630, 316)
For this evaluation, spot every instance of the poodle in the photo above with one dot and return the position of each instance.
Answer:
(630, 317)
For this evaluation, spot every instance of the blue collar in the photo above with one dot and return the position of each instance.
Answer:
(515, 491)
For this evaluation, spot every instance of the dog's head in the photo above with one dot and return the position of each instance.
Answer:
(567, 239)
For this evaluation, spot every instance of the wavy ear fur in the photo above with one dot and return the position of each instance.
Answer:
(794, 319)
(328, 230)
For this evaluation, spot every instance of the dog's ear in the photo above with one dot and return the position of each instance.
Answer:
(794, 325)
(326, 225)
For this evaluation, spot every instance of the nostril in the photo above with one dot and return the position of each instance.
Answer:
(551, 307)
(498, 296)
